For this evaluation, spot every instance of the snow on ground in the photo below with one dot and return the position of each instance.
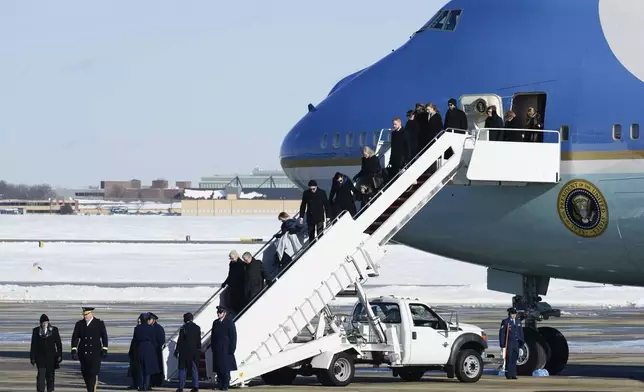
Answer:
(78, 268)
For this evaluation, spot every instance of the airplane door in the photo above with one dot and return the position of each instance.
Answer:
(429, 345)
(475, 108)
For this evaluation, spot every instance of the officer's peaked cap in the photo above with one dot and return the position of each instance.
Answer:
(512, 311)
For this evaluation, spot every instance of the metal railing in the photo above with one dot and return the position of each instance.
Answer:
(484, 134)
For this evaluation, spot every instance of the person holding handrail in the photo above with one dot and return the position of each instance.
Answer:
(398, 148)
(236, 283)
(317, 208)
(256, 274)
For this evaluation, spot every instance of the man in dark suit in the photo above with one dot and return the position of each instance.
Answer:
(159, 334)
(188, 351)
(316, 205)
(46, 353)
(89, 346)
(224, 343)
(511, 339)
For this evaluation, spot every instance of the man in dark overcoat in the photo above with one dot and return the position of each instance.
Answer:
(511, 339)
(188, 351)
(46, 353)
(89, 346)
(223, 343)
(159, 340)
(256, 274)
(316, 206)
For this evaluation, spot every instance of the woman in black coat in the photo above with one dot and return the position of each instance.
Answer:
(144, 350)
(343, 194)
(46, 352)
(370, 173)
(236, 283)
(435, 125)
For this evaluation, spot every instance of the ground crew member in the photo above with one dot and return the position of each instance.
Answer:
(511, 338)
(224, 343)
(46, 353)
(89, 346)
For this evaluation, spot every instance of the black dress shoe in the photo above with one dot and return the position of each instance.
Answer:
(515, 378)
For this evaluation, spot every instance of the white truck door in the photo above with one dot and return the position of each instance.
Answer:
(429, 343)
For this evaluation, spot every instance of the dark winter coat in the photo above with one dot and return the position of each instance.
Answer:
(189, 345)
(423, 123)
(370, 169)
(159, 334)
(514, 335)
(534, 123)
(89, 341)
(143, 349)
(513, 136)
(343, 194)
(224, 344)
(435, 127)
(398, 149)
(316, 206)
(456, 119)
(291, 226)
(255, 275)
(236, 282)
(46, 347)
(412, 136)
(495, 121)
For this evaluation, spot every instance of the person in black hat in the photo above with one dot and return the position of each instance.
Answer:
(223, 343)
(317, 208)
(159, 341)
(511, 339)
(46, 353)
(455, 118)
(188, 351)
(89, 346)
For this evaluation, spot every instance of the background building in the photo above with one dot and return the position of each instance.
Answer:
(273, 184)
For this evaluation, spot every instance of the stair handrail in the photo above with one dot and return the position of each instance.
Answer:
(408, 164)
(222, 288)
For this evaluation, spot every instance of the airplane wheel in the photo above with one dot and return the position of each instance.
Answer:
(559, 349)
(534, 353)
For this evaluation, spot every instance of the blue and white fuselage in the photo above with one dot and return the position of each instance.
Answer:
(587, 57)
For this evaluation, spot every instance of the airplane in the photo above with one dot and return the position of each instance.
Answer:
(580, 64)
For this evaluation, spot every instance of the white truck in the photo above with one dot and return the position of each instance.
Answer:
(403, 334)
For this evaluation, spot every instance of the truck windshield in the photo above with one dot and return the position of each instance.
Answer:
(388, 312)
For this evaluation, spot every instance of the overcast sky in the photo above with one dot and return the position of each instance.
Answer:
(93, 91)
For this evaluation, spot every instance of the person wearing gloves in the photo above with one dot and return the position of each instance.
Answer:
(188, 351)
(89, 346)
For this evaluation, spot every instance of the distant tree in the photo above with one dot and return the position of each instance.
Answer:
(66, 209)
(26, 192)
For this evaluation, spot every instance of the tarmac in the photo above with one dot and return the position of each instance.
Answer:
(607, 351)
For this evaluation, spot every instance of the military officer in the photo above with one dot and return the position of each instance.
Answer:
(89, 346)
(511, 338)
(224, 343)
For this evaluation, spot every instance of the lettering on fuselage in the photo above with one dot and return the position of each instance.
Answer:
(582, 208)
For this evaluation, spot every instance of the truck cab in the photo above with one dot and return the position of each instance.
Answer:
(427, 341)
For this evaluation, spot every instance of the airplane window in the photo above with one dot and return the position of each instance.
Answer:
(452, 20)
(336, 140)
(565, 132)
(349, 139)
(323, 142)
(635, 131)
(439, 22)
(363, 139)
(617, 131)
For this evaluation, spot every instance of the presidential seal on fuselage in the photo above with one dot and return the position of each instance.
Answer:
(582, 208)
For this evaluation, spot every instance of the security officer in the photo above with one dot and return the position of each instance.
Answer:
(224, 343)
(157, 379)
(511, 338)
(89, 346)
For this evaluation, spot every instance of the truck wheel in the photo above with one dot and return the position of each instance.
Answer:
(282, 376)
(469, 366)
(340, 373)
(411, 374)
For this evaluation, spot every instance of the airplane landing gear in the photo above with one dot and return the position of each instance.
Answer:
(544, 347)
